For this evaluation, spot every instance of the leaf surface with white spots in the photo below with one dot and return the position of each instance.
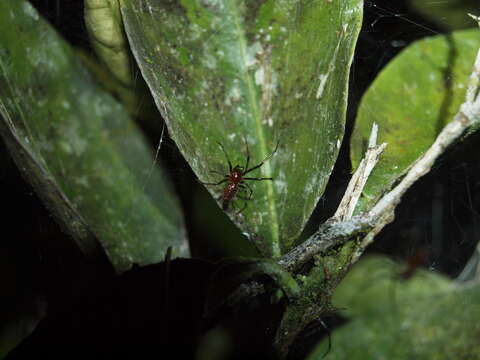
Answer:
(264, 72)
(79, 149)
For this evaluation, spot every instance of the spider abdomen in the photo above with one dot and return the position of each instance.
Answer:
(228, 194)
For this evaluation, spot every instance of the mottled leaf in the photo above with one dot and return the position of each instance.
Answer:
(263, 72)
(411, 100)
(425, 317)
(78, 147)
(380, 279)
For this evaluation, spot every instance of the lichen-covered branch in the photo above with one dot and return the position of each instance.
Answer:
(329, 235)
(342, 226)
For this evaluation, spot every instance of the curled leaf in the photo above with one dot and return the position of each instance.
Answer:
(79, 149)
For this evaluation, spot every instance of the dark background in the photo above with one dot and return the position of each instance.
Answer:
(40, 266)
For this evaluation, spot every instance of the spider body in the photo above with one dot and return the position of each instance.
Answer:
(236, 179)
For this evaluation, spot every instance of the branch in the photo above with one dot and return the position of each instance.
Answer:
(329, 235)
(342, 226)
(467, 117)
(335, 232)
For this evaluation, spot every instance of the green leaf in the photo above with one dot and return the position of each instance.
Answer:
(265, 71)
(451, 14)
(79, 149)
(103, 21)
(116, 71)
(411, 100)
(412, 319)
(376, 283)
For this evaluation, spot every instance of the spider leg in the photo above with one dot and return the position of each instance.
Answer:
(246, 199)
(243, 208)
(263, 161)
(257, 179)
(329, 337)
(217, 183)
(218, 172)
(246, 186)
(248, 153)
(226, 155)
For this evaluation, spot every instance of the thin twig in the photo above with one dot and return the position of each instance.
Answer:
(383, 212)
(359, 179)
(341, 227)
(468, 116)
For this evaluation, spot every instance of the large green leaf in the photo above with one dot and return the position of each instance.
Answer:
(78, 147)
(426, 317)
(263, 71)
(411, 100)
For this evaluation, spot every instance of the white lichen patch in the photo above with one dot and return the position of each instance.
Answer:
(268, 121)
(280, 182)
(234, 93)
(30, 11)
(195, 32)
(324, 77)
(82, 180)
(65, 147)
(208, 59)
(252, 52)
(74, 143)
(259, 76)
(321, 87)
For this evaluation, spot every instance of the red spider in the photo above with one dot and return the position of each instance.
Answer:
(236, 178)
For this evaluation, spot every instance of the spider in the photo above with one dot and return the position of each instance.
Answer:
(236, 178)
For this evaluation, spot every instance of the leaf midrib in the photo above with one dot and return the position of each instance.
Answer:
(257, 116)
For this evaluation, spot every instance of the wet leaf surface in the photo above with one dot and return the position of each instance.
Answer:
(79, 149)
(262, 72)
